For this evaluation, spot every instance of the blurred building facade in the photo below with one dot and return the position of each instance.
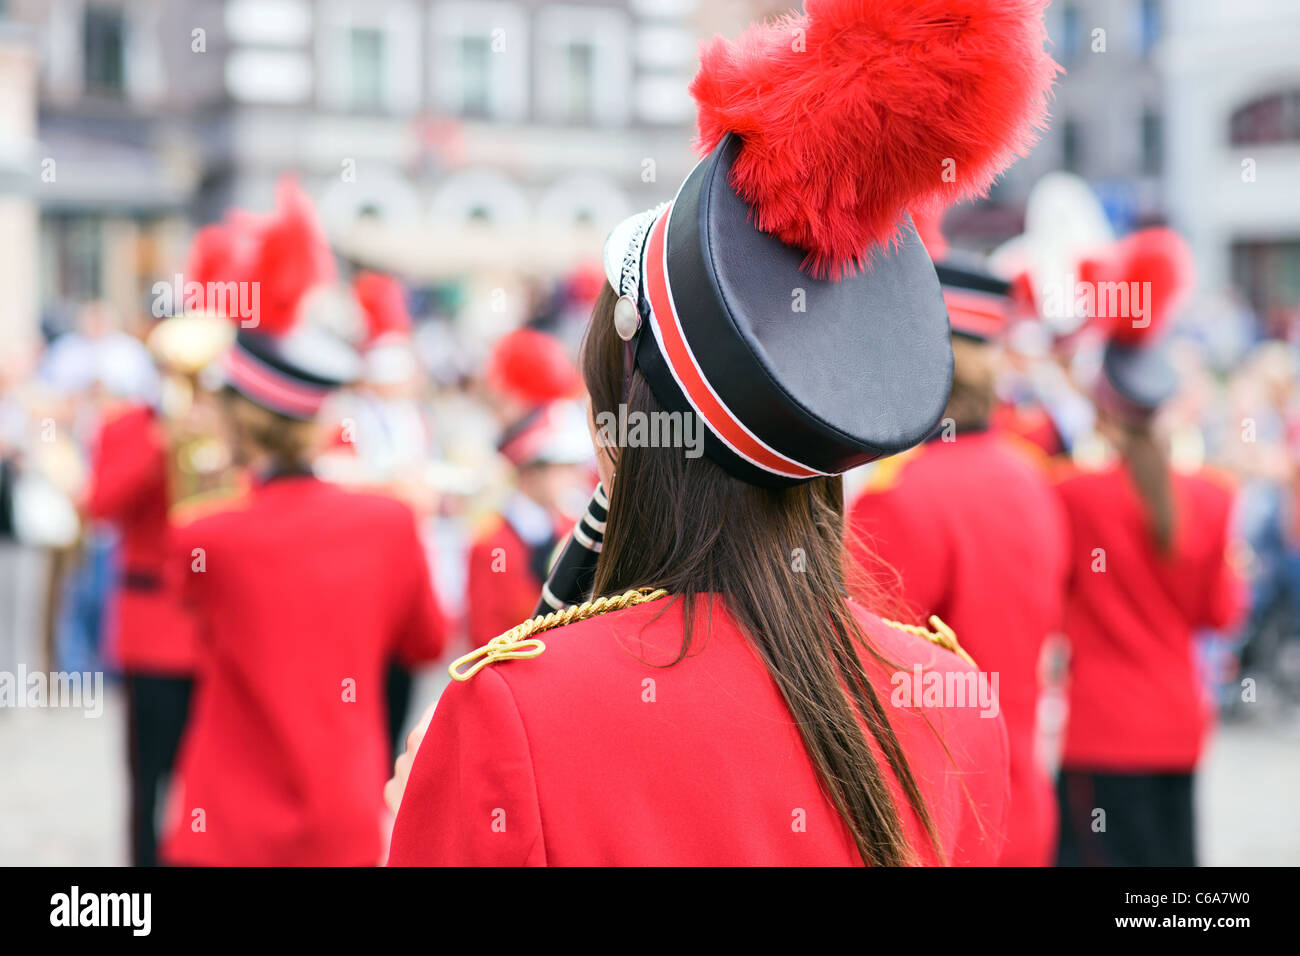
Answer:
(1107, 120)
(498, 138)
(18, 213)
(1232, 73)
(438, 136)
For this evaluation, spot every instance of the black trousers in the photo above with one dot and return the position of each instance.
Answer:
(398, 684)
(157, 708)
(1126, 819)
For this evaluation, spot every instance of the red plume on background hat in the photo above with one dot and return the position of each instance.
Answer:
(383, 301)
(854, 111)
(281, 360)
(1156, 264)
(1157, 256)
(292, 257)
(217, 255)
(532, 368)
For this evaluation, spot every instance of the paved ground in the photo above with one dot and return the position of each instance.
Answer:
(62, 789)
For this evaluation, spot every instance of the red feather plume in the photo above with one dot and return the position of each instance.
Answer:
(852, 112)
(213, 255)
(1157, 256)
(292, 257)
(532, 367)
(383, 301)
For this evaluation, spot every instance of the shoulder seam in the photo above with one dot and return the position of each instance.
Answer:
(532, 769)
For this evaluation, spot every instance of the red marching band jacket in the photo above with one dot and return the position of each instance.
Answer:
(303, 592)
(1136, 703)
(970, 530)
(505, 574)
(594, 753)
(150, 632)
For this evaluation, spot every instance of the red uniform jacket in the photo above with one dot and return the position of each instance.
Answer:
(1135, 701)
(306, 592)
(150, 632)
(504, 583)
(592, 754)
(975, 534)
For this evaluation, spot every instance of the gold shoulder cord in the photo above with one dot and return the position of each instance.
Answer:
(942, 635)
(518, 643)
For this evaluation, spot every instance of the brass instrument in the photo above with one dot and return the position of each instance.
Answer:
(200, 464)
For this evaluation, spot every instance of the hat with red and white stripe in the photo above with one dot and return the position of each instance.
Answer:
(978, 302)
(292, 351)
(783, 296)
(291, 374)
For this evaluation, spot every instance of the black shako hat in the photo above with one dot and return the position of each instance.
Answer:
(1140, 283)
(1136, 379)
(978, 301)
(784, 295)
(793, 376)
(290, 374)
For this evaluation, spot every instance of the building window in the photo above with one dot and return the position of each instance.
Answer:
(1148, 25)
(584, 70)
(77, 260)
(479, 58)
(475, 76)
(1070, 145)
(367, 60)
(1270, 119)
(1268, 272)
(368, 56)
(1152, 143)
(579, 82)
(103, 49)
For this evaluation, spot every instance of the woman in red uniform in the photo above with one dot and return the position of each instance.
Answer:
(512, 554)
(152, 637)
(546, 443)
(722, 702)
(974, 534)
(1148, 562)
(302, 592)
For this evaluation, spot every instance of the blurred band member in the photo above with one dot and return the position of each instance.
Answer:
(551, 454)
(387, 431)
(1148, 567)
(972, 530)
(151, 636)
(302, 591)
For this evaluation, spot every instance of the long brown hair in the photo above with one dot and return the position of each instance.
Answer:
(1148, 465)
(685, 525)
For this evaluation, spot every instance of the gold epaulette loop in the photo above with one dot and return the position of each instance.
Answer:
(518, 643)
(942, 635)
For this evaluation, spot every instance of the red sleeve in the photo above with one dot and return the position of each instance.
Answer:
(422, 631)
(127, 463)
(480, 596)
(183, 570)
(471, 798)
(982, 830)
(501, 590)
(894, 540)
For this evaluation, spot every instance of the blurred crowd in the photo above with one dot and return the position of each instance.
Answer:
(422, 422)
(429, 416)
(487, 442)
